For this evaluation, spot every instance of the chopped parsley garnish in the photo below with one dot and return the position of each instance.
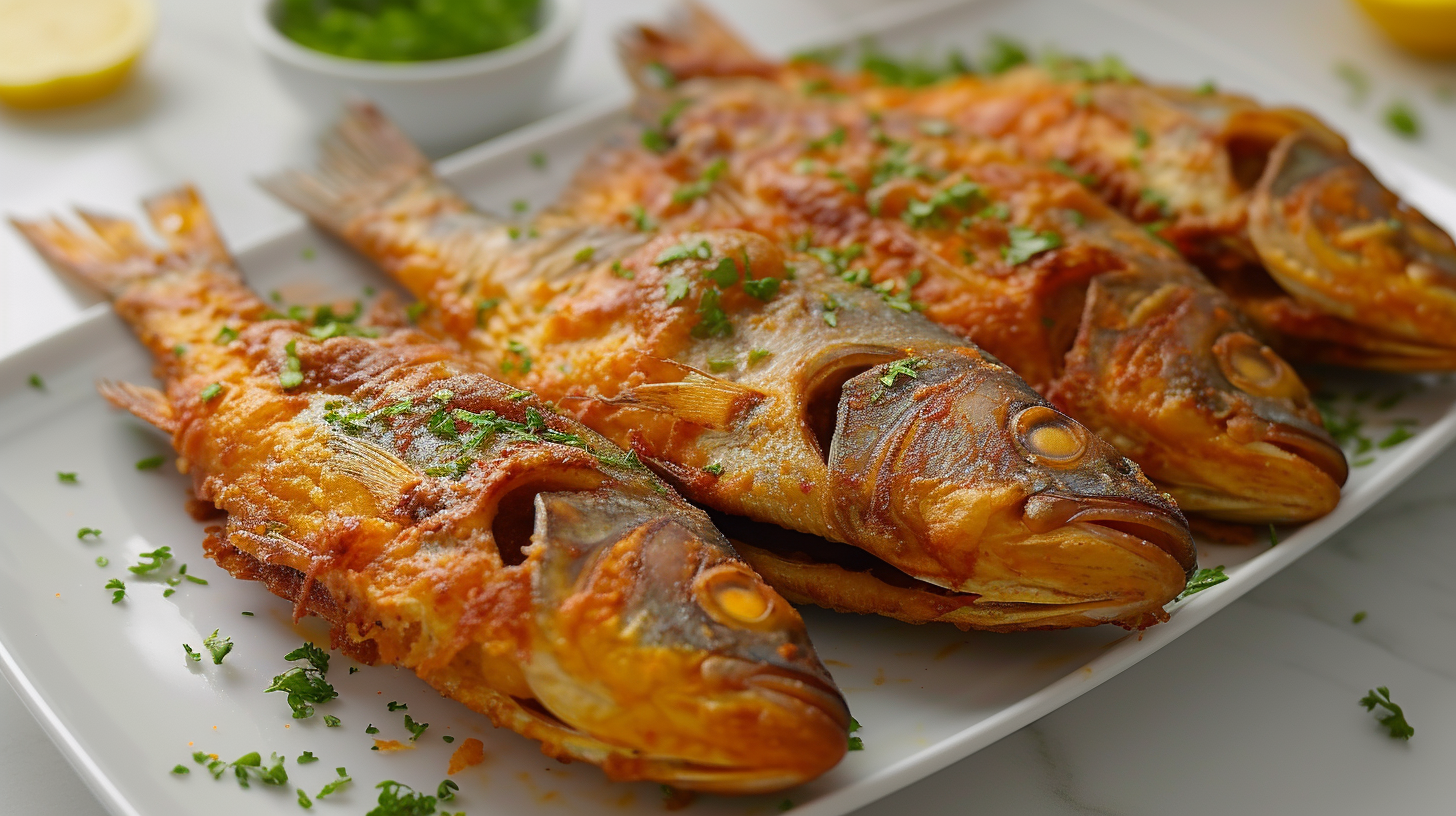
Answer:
(65, 478)
(697, 189)
(675, 288)
(1003, 54)
(834, 137)
(151, 462)
(762, 288)
(179, 350)
(1001, 211)
(786, 806)
(250, 768)
(290, 374)
(195, 657)
(209, 392)
(102, 560)
(520, 205)
(1393, 719)
(396, 799)
(1355, 79)
(218, 646)
(718, 366)
(1273, 536)
(335, 784)
(757, 355)
(415, 728)
(225, 335)
(1077, 69)
(830, 305)
(1062, 167)
(331, 721)
(1140, 137)
(181, 770)
(855, 743)
(712, 320)
(1027, 243)
(538, 160)
(1157, 199)
(370, 729)
(447, 738)
(155, 560)
(308, 253)
(725, 274)
(36, 382)
(119, 588)
(902, 368)
(1206, 88)
(1401, 118)
(523, 360)
(702, 250)
(1358, 617)
(248, 614)
(303, 800)
(415, 311)
(305, 685)
(484, 306)
(1203, 579)
(584, 254)
(446, 790)
(910, 73)
(640, 219)
(82, 533)
(1397, 436)
(931, 211)
(397, 706)
(716, 469)
(619, 271)
(656, 139)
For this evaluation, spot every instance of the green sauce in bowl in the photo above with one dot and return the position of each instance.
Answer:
(406, 30)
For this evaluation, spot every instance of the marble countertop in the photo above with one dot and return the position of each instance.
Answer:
(1255, 711)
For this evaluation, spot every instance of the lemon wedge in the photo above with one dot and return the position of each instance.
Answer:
(1424, 27)
(62, 52)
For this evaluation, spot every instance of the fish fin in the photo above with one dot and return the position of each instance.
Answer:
(147, 404)
(706, 401)
(118, 233)
(182, 219)
(380, 471)
(97, 261)
(695, 42)
(366, 159)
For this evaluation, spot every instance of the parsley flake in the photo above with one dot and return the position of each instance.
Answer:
(716, 469)
(102, 560)
(855, 743)
(396, 706)
(225, 335)
(1004, 54)
(446, 790)
(1027, 243)
(303, 800)
(415, 728)
(65, 478)
(331, 721)
(902, 368)
(1401, 118)
(151, 462)
(713, 321)
(701, 187)
(675, 288)
(1358, 617)
(1394, 720)
(758, 355)
(305, 685)
(337, 783)
(120, 589)
(1397, 436)
(209, 392)
(36, 382)
(1203, 579)
(181, 770)
(370, 729)
(290, 374)
(219, 647)
(82, 533)
(584, 254)
(681, 252)
(195, 657)
(725, 274)
(154, 560)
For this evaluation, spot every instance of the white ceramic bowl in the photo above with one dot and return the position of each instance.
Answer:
(444, 105)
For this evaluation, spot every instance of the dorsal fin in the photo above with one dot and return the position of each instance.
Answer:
(147, 404)
(699, 399)
(380, 471)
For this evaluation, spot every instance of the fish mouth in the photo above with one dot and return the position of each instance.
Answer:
(806, 689)
(1319, 451)
(1167, 531)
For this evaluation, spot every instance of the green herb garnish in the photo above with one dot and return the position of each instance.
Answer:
(155, 560)
(1356, 79)
(102, 560)
(1203, 579)
(1394, 720)
(119, 588)
(331, 721)
(218, 646)
(1358, 617)
(716, 469)
(336, 784)
(681, 252)
(65, 478)
(305, 685)
(195, 657)
(35, 382)
(405, 30)
(84, 532)
(225, 335)
(151, 462)
(1027, 243)
(415, 728)
(675, 288)
(1003, 54)
(855, 743)
(1401, 118)
(704, 183)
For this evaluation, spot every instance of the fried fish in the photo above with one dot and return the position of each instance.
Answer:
(774, 390)
(1105, 320)
(445, 522)
(1330, 264)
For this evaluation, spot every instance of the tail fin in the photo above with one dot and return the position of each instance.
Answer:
(694, 43)
(365, 161)
(112, 254)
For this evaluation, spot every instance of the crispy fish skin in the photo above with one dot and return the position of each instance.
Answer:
(1331, 265)
(445, 522)
(761, 389)
(1107, 322)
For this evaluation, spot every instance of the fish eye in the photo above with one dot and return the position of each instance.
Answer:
(1050, 437)
(733, 596)
(1252, 366)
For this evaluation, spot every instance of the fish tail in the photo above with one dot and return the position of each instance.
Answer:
(112, 254)
(365, 162)
(695, 42)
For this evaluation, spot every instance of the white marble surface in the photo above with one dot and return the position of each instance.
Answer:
(1253, 712)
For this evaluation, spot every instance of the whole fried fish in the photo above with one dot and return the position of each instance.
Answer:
(1103, 319)
(1332, 266)
(443, 521)
(781, 393)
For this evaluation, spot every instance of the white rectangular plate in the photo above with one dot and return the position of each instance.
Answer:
(110, 682)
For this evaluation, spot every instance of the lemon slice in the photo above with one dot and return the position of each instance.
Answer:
(1424, 27)
(61, 52)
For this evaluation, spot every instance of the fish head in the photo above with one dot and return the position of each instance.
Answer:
(1336, 239)
(958, 473)
(1165, 369)
(652, 633)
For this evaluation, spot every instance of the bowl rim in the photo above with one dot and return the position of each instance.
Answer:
(561, 21)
